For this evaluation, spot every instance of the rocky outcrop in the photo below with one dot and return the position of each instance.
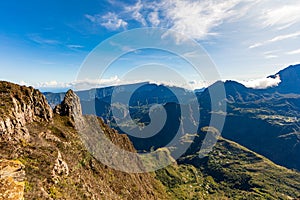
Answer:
(70, 106)
(19, 106)
(60, 168)
(12, 177)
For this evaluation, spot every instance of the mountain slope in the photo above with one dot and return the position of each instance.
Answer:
(264, 121)
(230, 171)
(290, 80)
(56, 163)
(52, 163)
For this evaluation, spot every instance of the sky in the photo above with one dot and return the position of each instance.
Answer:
(45, 43)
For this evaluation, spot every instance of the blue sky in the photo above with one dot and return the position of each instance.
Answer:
(44, 43)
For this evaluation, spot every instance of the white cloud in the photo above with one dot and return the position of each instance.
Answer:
(234, 26)
(123, 47)
(276, 39)
(23, 83)
(135, 11)
(75, 46)
(297, 51)
(197, 19)
(112, 81)
(270, 54)
(43, 41)
(110, 21)
(92, 18)
(255, 45)
(284, 37)
(78, 84)
(49, 84)
(191, 54)
(191, 85)
(262, 83)
(153, 18)
(282, 15)
(98, 83)
(200, 19)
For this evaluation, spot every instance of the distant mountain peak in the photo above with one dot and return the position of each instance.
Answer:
(290, 80)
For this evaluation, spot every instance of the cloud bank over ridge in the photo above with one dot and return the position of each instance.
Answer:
(262, 83)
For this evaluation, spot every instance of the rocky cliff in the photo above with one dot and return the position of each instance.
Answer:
(47, 149)
(19, 106)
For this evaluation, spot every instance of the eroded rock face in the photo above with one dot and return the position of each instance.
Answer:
(60, 168)
(70, 106)
(19, 106)
(12, 176)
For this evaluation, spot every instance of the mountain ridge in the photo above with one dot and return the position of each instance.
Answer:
(263, 120)
(58, 166)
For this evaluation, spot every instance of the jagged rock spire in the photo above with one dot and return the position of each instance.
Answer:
(70, 106)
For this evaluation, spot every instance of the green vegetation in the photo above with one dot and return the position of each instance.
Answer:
(230, 171)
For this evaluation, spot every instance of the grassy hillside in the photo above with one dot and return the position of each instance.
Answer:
(230, 171)
(83, 178)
